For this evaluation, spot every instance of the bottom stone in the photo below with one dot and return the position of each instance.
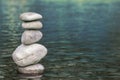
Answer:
(26, 77)
(32, 70)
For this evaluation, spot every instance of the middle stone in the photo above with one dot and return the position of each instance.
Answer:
(31, 36)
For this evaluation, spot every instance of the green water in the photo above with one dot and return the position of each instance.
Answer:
(82, 37)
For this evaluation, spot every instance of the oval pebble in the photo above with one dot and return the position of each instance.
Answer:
(31, 36)
(32, 69)
(30, 16)
(32, 25)
(25, 55)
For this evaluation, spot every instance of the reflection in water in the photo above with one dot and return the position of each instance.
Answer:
(10, 32)
(82, 37)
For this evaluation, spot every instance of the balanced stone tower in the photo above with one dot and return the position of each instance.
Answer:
(29, 53)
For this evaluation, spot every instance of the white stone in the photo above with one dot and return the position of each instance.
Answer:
(32, 69)
(25, 55)
(30, 16)
(31, 36)
(32, 25)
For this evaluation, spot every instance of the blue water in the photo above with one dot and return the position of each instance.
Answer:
(82, 37)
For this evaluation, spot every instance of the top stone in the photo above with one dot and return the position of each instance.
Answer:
(30, 16)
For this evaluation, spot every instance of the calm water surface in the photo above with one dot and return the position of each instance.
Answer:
(83, 38)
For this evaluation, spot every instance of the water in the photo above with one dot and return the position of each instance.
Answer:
(82, 37)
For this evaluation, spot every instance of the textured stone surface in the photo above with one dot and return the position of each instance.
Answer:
(32, 25)
(30, 16)
(32, 69)
(25, 55)
(31, 36)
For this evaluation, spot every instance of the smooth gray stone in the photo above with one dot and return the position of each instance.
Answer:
(32, 69)
(31, 36)
(32, 25)
(30, 16)
(25, 55)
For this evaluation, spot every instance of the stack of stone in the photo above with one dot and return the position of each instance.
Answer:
(29, 53)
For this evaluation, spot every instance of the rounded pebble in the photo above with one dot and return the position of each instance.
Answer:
(25, 55)
(31, 36)
(30, 16)
(32, 25)
(32, 69)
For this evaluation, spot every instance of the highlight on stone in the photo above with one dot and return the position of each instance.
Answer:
(29, 53)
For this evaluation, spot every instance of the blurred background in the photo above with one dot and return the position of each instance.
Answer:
(82, 37)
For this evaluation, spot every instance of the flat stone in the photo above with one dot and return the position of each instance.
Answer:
(25, 55)
(31, 36)
(32, 25)
(30, 16)
(32, 69)
(30, 76)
